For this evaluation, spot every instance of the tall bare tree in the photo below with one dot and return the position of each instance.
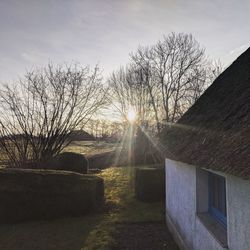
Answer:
(39, 113)
(178, 69)
(128, 91)
(142, 59)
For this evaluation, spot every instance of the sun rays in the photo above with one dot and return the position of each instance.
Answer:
(125, 152)
(126, 149)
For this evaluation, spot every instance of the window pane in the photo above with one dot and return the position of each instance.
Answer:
(223, 197)
(215, 188)
(218, 193)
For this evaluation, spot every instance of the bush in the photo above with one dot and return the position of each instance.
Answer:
(101, 160)
(45, 194)
(150, 184)
(107, 159)
(70, 161)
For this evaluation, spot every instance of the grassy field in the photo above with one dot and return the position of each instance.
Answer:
(90, 148)
(89, 232)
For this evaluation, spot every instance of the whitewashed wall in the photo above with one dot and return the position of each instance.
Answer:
(238, 209)
(180, 199)
(181, 216)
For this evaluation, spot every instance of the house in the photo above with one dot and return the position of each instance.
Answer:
(81, 135)
(208, 166)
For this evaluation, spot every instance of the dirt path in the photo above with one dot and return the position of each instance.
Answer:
(143, 236)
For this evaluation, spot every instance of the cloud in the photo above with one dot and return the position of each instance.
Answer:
(107, 31)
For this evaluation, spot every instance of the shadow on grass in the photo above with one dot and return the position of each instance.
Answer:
(63, 234)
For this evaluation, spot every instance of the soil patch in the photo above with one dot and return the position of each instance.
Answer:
(143, 236)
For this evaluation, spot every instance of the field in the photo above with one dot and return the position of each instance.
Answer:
(90, 148)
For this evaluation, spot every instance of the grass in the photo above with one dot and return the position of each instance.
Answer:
(89, 232)
(123, 207)
(120, 193)
(89, 148)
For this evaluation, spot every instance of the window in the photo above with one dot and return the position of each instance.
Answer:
(217, 198)
(211, 204)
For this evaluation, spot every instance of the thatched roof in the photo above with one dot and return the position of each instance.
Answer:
(215, 132)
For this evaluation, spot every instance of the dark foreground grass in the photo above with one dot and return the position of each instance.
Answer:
(88, 232)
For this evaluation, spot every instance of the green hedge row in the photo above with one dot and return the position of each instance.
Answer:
(45, 194)
(150, 184)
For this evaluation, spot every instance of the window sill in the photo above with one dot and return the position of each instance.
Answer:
(214, 228)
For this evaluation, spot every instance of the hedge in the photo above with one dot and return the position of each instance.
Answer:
(108, 159)
(45, 194)
(101, 160)
(69, 161)
(150, 184)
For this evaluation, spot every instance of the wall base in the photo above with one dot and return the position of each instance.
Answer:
(176, 235)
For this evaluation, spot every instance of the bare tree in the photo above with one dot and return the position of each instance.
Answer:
(105, 129)
(143, 59)
(178, 69)
(128, 91)
(162, 81)
(39, 113)
(214, 69)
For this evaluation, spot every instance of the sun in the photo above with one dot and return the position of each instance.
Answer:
(131, 115)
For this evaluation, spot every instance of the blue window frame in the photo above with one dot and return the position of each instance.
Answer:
(217, 198)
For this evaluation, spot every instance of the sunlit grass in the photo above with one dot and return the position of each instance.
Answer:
(120, 192)
(124, 208)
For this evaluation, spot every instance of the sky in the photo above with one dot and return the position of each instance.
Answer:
(33, 32)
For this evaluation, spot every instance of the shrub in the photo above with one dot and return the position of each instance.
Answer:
(150, 184)
(70, 161)
(45, 194)
(107, 159)
(101, 160)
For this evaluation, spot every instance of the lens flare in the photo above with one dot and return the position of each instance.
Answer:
(131, 115)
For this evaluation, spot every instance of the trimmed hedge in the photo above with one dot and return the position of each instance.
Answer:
(102, 160)
(70, 161)
(150, 184)
(107, 159)
(45, 194)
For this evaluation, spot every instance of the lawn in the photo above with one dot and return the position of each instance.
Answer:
(89, 232)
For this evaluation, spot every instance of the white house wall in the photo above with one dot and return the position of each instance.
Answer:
(181, 208)
(180, 199)
(238, 209)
